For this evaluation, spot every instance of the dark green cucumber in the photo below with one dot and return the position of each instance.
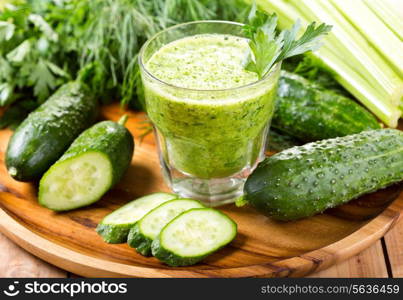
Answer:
(94, 162)
(305, 180)
(310, 113)
(115, 227)
(148, 228)
(192, 236)
(48, 131)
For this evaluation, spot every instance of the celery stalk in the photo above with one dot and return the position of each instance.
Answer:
(387, 15)
(374, 30)
(359, 78)
(359, 88)
(286, 20)
(352, 46)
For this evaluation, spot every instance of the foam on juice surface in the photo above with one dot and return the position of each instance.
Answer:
(203, 62)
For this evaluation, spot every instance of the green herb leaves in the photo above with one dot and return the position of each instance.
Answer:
(309, 41)
(267, 47)
(32, 61)
(6, 30)
(43, 44)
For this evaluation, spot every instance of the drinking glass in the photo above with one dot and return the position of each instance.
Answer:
(209, 141)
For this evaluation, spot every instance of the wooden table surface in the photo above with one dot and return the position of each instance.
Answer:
(383, 259)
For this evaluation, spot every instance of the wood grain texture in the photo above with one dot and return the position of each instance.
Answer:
(263, 247)
(394, 247)
(369, 263)
(394, 238)
(15, 262)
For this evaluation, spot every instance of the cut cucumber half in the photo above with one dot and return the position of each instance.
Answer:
(192, 236)
(115, 227)
(94, 162)
(75, 182)
(147, 229)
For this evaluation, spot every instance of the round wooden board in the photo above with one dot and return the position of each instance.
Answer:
(263, 247)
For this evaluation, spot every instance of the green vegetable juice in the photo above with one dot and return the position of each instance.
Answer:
(211, 115)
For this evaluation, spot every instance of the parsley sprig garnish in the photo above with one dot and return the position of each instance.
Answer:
(269, 47)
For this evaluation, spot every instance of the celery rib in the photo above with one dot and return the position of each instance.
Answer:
(374, 30)
(355, 48)
(387, 15)
(359, 88)
(355, 64)
(286, 20)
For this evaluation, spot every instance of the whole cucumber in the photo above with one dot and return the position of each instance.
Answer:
(95, 162)
(308, 112)
(305, 180)
(49, 130)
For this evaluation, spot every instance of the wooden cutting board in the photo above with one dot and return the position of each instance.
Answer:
(263, 247)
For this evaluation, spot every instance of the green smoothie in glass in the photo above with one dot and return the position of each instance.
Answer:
(210, 115)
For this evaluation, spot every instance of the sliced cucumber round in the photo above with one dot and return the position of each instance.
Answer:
(75, 182)
(115, 227)
(192, 236)
(147, 229)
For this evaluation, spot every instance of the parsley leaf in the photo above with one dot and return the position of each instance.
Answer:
(309, 41)
(263, 43)
(43, 80)
(268, 48)
(18, 54)
(6, 30)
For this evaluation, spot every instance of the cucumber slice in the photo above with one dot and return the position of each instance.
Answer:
(115, 227)
(192, 236)
(147, 229)
(75, 182)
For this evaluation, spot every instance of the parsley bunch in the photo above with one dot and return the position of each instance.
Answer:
(267, 47)
(29, 55)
